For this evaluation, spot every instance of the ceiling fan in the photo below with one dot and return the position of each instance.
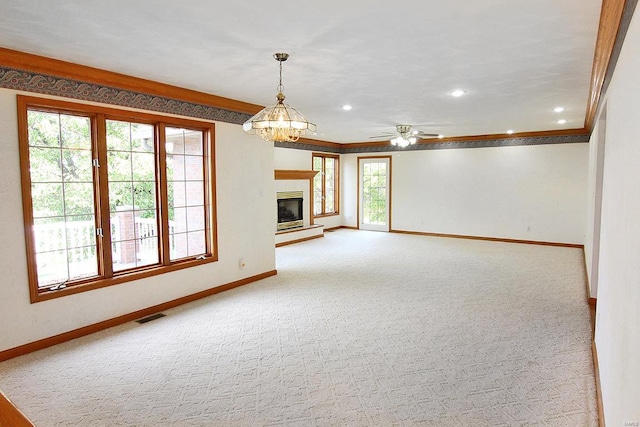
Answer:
(405, 136)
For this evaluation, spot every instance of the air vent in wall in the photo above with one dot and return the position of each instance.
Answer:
(150, 318)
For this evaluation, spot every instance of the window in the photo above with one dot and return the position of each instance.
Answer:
(326, 184)
(111, 196)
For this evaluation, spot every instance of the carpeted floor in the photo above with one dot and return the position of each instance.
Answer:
(357, 329)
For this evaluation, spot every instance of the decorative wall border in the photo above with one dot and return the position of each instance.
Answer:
(471, 142)
(11, 78)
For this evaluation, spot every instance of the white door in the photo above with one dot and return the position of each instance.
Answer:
(374, 191)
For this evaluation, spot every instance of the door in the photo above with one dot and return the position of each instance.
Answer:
(374, 190)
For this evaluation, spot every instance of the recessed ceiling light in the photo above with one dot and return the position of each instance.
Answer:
(347, 107)
(559, 109)
(510, 131)
(457, 93)
(562, 121)
(440, 136)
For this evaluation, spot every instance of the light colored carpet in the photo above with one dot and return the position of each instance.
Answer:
(357, 329)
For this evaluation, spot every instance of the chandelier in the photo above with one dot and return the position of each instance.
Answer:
(279, 122)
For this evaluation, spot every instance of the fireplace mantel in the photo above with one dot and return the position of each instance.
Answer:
(294, 174)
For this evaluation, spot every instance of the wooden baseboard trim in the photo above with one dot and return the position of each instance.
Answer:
(349, 227)
(304, 239)
(90, 329)
(490, 239)
(10, 415)
(596, 372)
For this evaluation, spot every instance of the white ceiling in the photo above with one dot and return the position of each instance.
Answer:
(394, 61)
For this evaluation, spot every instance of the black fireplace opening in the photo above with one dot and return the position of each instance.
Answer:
(289, 210)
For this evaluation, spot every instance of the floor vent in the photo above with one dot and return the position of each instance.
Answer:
(150, 318)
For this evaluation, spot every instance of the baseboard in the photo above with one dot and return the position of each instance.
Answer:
(304, 239)
(90, 329)
(10, 415)
(490, 239)
(596, 371)
(348, 227)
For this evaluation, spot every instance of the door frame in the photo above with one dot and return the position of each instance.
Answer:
(390, 192)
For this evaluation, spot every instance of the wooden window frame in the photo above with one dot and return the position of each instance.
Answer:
(98, 116)
(336, 184)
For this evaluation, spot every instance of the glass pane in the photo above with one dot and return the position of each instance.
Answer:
(178, 167)
(196, 243)
(178, 246)
(146, 224)
(119, 164)
(122, 225)
(179, 223)
(144, 195)
(45, 164)
(75, 132)
(124, 255)
(82, 262)
(78, 198)
(80, 231)
(77, 165)
(317, 192)
(49, 234)
(317, 163)
(194, 169)
(118, 135)
(144, 166)
(51, 268)
(193, 142)
(195, 193)
(44, 129)
(120, 196)
(147, 251)
(195, 218)
(179, 191)
(329, 203)
(185, 167)
(47, 200)
(62, 196)
(142, 137)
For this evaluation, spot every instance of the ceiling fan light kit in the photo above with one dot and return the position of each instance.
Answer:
(406, 136)
(279, 122)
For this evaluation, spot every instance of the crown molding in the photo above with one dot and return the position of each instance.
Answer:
(82, 73)
(608, 30)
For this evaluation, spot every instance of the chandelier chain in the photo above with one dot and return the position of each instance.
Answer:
(280, 86)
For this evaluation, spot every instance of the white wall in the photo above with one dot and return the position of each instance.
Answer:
(523, 192)
(594, 203)
(290, 159)
(618, 312)
(245, 188)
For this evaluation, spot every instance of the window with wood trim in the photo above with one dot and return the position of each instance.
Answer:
(111, 196)
(326, 184)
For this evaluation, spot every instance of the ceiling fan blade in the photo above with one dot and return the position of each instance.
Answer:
(381, 136)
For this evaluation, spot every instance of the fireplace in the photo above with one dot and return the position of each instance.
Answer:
(290, 210)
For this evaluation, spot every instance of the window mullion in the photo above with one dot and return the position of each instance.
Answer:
(209, 159)
(324, 184)
(162, 194)
(101, 183)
